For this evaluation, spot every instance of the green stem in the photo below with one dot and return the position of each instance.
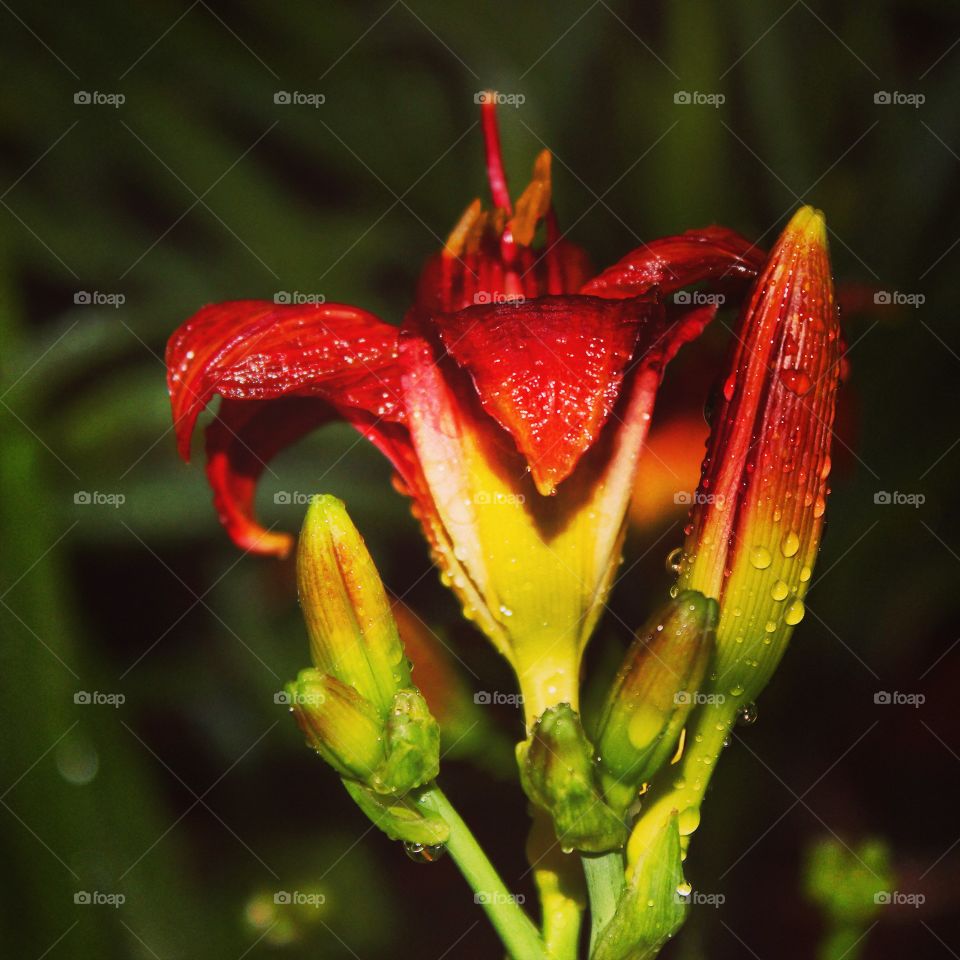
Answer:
(515, 928)
(605, 880)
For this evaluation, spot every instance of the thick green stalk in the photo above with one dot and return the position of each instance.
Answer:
(515, 928)
(605, 880)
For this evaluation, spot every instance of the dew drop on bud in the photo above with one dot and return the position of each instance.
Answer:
(424, 852)
(748, 714)
(760, 558)
(779, 591)
(729, 387)
(684, 889)
(794, 613)
(675, 560)
(790, 545)
(796, 381)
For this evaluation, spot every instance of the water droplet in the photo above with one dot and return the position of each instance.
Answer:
(760, 557)
(675, 560)
(729, 387)
(771, 626)
(805, 574)
(674, 592)
(424, 852)
(505, 610)
(684, 889)
(794, 612)
(796, 381)
(736, 690)
(779, 591)
(790, 545)
(820, 507)
(748, 715)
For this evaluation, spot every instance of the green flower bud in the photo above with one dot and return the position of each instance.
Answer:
(342, 726)
(652, 906)
(412, 745)
(353, 635)
(357, 707)
(653, 695)
(557, 774)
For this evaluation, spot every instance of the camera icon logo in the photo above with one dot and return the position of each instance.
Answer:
(282, 97)
(683, 497)
(82, 696)
(82, 97)
(82, 897)
(282, 296)
(682, 96)
(282, 496)
(82, 298)
(882, 697)
(82, 497)
(282, 897)
(282, 698)
(482, 697)
(882, 97)
(882, 498)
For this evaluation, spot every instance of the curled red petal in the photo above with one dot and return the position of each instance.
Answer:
(256, 350)
(240, 442)
(549, 371)
(713, 253)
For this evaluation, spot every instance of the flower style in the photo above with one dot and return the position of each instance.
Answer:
(513, 403)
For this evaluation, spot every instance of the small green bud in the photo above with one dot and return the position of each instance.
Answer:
(557, 774)
(353, 635)
(652, 906)
(653, 694)
(342, 726)
(412, 745)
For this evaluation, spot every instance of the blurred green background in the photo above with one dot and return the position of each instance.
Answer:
(194, 799)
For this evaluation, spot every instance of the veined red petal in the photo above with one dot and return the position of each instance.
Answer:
(549, 371)
(240, 443)
(713, 253)
(256, 350)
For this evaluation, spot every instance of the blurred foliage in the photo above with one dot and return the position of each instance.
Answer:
(195, 799)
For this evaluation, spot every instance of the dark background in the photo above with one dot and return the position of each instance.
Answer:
(195, 798)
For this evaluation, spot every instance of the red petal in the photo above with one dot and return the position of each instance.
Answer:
(549, 370)
(240, 443)
(256, 350)
(714, 253)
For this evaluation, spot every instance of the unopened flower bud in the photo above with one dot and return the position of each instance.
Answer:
(340, 724)
(653, 694)
(756, 528)
(353, 635)
(557, 773)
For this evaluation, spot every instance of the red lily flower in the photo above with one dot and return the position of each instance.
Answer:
(512, 403)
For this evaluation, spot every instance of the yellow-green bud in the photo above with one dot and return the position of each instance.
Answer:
(653, 694)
